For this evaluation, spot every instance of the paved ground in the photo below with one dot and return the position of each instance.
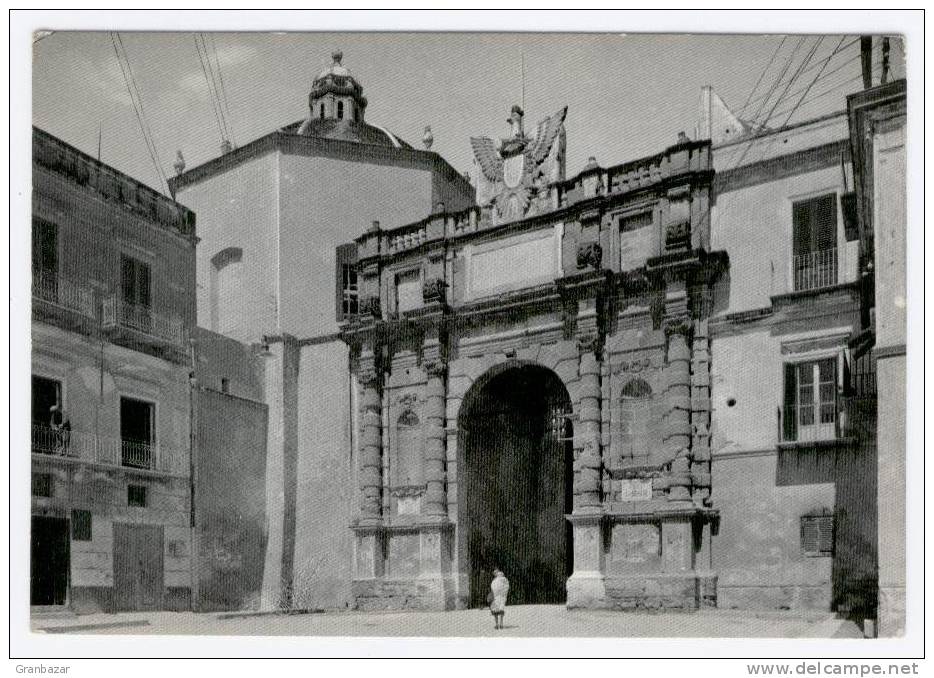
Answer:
(521, 621)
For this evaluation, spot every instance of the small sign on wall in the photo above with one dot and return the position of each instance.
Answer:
(409, 506)
(635, 489)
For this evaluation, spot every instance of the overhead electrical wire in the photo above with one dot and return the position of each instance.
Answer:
(136, 100)
(214, 85)
(814, 80)
(223, 89)
(218, 113)
(791, 80)
(780, 77)
(815, 66)
(762, 74)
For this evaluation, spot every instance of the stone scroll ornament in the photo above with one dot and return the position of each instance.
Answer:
(589, 254)
(512, 171)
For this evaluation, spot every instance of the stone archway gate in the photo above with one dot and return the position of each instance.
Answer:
(642, 512)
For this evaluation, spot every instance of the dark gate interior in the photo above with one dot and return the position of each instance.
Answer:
(49, 561)
(138, 565)
(517, 471)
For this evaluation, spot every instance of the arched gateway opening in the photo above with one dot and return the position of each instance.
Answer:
(516, 466)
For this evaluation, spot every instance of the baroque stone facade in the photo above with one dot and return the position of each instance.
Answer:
(594, 312)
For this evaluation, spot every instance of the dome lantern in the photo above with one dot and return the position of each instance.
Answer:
(336, 94)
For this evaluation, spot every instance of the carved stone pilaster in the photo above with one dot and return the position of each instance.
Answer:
(677, 430)
(587, 437)
(435, 500)
(700, 416)
(369, 375)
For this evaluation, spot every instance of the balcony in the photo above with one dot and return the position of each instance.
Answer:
(815, 270)
(851, 419)
(114, 452)
(143, 324)
(51, 289)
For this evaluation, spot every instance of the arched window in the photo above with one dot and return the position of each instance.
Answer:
(321, 112)
(227, 291)
(408, 447)
(635, 441)
(340, 110)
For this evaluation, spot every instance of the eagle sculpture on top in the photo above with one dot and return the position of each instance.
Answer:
(513, 172)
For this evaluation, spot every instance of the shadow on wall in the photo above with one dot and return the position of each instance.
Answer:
(852, 470)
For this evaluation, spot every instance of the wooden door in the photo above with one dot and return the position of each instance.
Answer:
(138, 567)
(49, 556)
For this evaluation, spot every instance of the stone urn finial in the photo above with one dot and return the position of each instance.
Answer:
(428, 138)
(338, 56)
(179, 162)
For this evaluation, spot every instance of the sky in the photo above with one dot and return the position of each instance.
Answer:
(628, 96)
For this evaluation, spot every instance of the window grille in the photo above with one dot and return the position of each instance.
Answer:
(42, 484)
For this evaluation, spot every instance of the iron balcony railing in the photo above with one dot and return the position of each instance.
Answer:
(815, 270)
(849, 418)
(52, 288)
(118, 313)
(104, 450)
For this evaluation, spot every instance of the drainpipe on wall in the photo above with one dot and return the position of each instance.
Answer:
(195, 560)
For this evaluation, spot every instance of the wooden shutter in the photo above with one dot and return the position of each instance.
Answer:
(789, 413)
(143, 285)
(824, 230)
(128, 279)
(814, 224)
(801, 227)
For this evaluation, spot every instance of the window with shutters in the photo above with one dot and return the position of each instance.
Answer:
(814, 242)
(817, 532)
(136, 294)
(80, 525)
(347, 286)
(810, 404)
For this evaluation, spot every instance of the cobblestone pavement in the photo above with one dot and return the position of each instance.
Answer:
(521, 621)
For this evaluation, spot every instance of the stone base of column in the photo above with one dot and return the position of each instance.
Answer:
(891, 622)
(421, 593)
(586, 590)
(404, 566)
(661, 591)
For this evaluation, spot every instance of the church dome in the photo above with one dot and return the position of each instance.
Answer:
(336, 109)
